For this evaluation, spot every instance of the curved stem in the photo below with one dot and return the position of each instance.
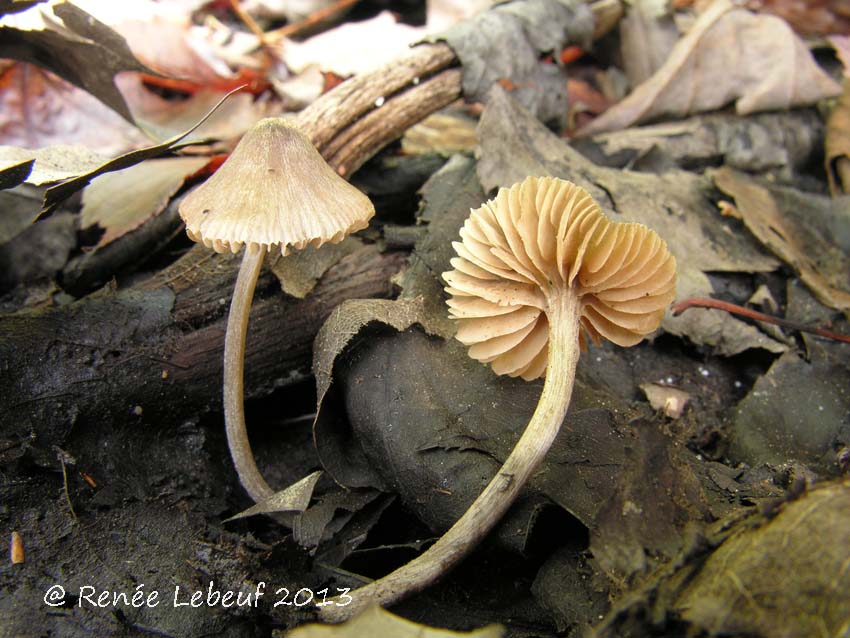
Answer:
(501, 492)
(234, 374)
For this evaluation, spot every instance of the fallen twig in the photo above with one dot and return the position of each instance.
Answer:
(717, 304)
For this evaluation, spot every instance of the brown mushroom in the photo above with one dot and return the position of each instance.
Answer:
(535, 266)
(274, 190)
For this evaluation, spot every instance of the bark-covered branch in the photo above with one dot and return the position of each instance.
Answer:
(153, 351)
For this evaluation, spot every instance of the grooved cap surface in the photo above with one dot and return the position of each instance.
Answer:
(274, 189)
(546, 236)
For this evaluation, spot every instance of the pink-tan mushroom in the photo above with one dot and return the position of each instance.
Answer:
(538, 269)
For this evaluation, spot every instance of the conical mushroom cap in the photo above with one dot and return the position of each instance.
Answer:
(540, 238)
(274, 189)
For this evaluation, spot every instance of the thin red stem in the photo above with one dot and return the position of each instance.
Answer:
(705, 302)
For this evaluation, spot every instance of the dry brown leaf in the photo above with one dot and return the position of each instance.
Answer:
(823, 266)
(169, 47)
(162, 118)
(124, 200)
(809, 17)
(729, 55)
(837, 151)
(74, 45)
(38, 109)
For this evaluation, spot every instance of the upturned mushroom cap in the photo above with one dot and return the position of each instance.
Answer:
(274, 189)
(543, 237)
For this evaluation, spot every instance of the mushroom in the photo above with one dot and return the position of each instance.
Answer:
(536, 266)
(274, 190)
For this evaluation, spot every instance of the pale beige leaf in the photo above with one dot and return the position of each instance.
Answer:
(292, 499)
(53, 163)
(376, 622)
(122, 201)
(729, 55)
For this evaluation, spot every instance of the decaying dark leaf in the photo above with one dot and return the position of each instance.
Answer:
(788, 577)
(15, 172)
(779, 142)
(37, 252)
(804, 243)
(676, 204)
(751, 574)
(728, 55)
(506, 43)
(796, 411)
(339, 452)
(121, 201)
(378, 622)
(88, 54)
(338, 522)
(567, 570)
(300, 270)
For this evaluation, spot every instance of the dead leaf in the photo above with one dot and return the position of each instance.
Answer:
(345, 323)
(374, 622)
(445, 133)
(813, 18)
(751, 585)
(291, 500)
(300, 270)
(290, 10)
(350, 48)
(122, 201)
(83, 51)
(647, 35)
(506, 43)
(38, 109)
(783, 143)
(47, 165)
(728, 55)
(168, 45)
(162, 119)
(56, 194)
(676, 204)
(837, 151)
(822, 265)
(796, 411)
(442, 14)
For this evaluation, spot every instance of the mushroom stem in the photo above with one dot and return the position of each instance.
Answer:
(563, 315)
(234, 374)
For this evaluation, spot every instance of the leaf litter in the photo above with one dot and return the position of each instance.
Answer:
(728, 55)
(621, 470)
